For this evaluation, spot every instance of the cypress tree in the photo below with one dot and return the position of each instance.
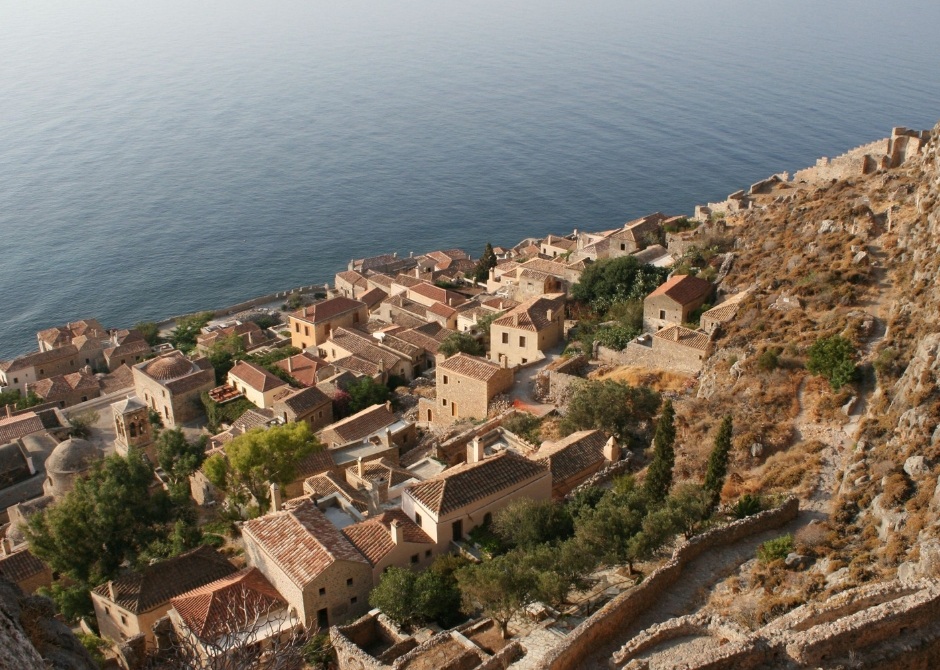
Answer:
(659, 474)
(718, 461)
(487, 261)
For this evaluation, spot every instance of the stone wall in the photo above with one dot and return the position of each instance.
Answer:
(620, 612)
(660, 356)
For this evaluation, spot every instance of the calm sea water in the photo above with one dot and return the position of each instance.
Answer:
(158, 158)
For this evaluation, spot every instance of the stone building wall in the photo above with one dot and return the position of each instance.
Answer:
(662, 355)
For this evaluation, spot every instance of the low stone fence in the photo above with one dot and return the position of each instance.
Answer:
(623, 610)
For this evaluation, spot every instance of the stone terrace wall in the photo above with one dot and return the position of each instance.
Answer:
(625, 608)
(660, 356)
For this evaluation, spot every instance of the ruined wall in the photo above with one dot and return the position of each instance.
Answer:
(660, 356)
(625, 608)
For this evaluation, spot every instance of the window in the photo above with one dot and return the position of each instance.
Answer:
(356, 317)
(16, 380)
(445, 379)
(443, 402)
(525, 360)
(296, 327)
(322, 591)
(41, 371)
(107, 610)
(453, 409)
(353, 600)
(414, 559)
(487, 518)
(662, 314)
(427, 553)
(623, 247)
(323, 619)
(88, 361)
(505, 338)
(166, 410)
(123, 620)
(457, 529)
(522, 340)
(417, 519)
(349, 582)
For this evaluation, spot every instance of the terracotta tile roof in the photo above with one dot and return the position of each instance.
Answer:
(384, 282)
(20, 566)
(372, 297)
(253, 418)
(38, 358)
(313, 464)
(301, 401)
(303, 367)
(500, 304)
(351, 277)
(62, 385)
(548, 267)
(695, 339)
(327, 309)
(635, 230)
(210, 611)
(726, 310)
(383, 469)
(361, 425)
(132, 348)
(156, 584)
(403, 347)
(60, 335)
(463, 485)
(471, 366)
(442, 310)
(18, 426)
(425, 337)
(651, 253)
(256, 377)
(373, 537)
(573, 455)
(359, 365)
(121, 378)
(408, 281)
(201, 379)
(684, 289)
(532, 315)
(441, 295)
(301, 541)
(560, 242)
(326, 484)
(365, 346)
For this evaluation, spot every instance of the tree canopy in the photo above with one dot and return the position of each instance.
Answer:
(610, 405)
(179, 458)
(258, 458)
(187, 330)
(110, 517)
(614, 280)
(461, 343)
(526, 523)
(718, 460)
(365, 392)
(659, 474)
(488, 260)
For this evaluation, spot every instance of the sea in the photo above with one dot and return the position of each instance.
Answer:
(158, 158)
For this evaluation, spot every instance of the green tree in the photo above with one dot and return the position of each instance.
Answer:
(689, 508)
(73, 601)
(718, 461)
(179, 459)
(107, 519)
(410, 598)
(605, 531)
(187, 330)
(487, 261)
(613, 280)
(258, 458)
(224, 354)
(834, 359)
(611, 406)
(527, 523)
(365, 392)
(659, 474)
(396, 596)
(150, 331)
(483, 325)
(500, 587)
(461, 343)
(81, 424)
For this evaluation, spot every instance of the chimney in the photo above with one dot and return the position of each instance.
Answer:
(417, 272)
(398, 536)
(549, 314)
(503, 361)
(675, 333)
(111, 592)
(9, 411)
(386, 437)
(388, 405)
(612, 450)
(475, 451)
(7, 545)
(359, 471)
(411, 254)
(515, 318)
(290, 366)
(30, 465)
(277, 500)
(492, 274)
(374, 504)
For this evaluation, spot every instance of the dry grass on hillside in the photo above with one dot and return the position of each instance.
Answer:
(660, 380)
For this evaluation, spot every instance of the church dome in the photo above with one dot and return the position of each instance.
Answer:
(166, 368)
(73, 455)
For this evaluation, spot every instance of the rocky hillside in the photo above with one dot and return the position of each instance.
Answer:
(858, 259)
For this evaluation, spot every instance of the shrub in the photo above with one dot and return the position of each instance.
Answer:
(769, 359)
(834, 359)
(776, 549)
(747, 505)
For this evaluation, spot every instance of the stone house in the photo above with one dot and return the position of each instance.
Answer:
(575, 458)
(465, 386)
(312, 325)
(307, 369)
(523, 334)
(636, 235)
(555, 246)
(132, 603)
(172, 385)
(242, 608)
(391, 539)
(681, 349)
(310, 562)
(449, 505)
(67, 390)
(258, 385)
(59, 336)
(674, 301)
(21, 567)
(308, 404)
(347, 342)
(722, 313)
(29, 369)
(374, 421)
(350, 283)
(125, 347)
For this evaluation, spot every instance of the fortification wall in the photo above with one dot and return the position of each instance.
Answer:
(620, 612)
